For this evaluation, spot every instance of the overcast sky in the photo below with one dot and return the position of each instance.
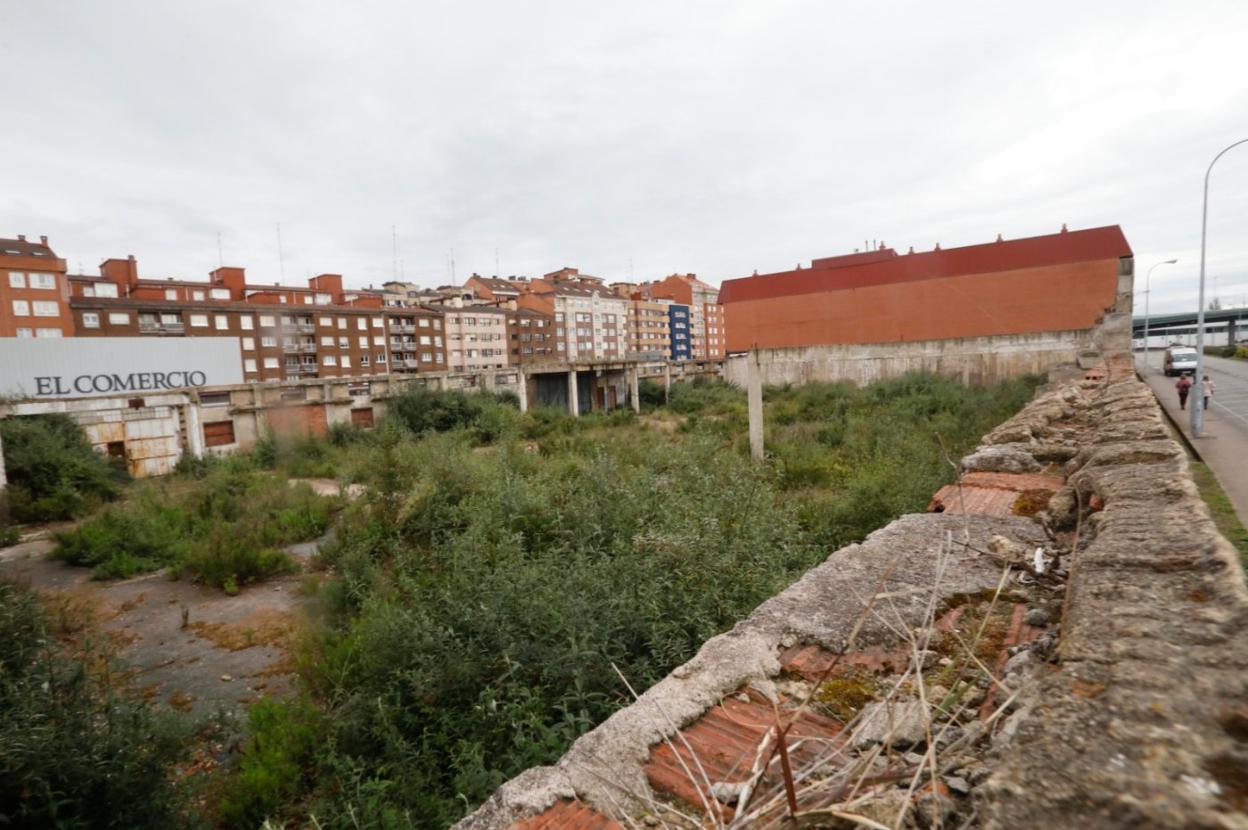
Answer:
(626, 139)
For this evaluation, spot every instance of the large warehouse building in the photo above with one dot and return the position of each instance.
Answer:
(1066, 281)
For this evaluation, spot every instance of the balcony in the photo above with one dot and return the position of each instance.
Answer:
(307, 348)
(161, 328)
(290, 348)
(304, 327)
(410, 363)
(404, 328)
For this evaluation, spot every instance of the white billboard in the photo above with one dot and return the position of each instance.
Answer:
(77, 367)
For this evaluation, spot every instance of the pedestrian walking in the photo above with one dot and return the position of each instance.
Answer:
(1184, 385)
(1206, 389)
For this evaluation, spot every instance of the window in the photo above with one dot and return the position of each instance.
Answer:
(378, 323)
(119, 318)
(327, 322)
(249, 365)
(25, 332)
(323, 299)
(47, 332)
(364, 361)
(270, 363)
(342, 322)
(361, 323)
(199, 321)
(44, 281)
(327, 341)
(267, 321)
(245, 323)
(379, 340)
(329, 360)
(90, 320)
(105, 289)
(220, 293)
(346, 361)
(381, 358)
(268, 342)
(344, 343)
(46, 308)
(17, 279)
(214, 398)
(197, 295)
(218, 433)
(364, 341)
(222, 321)
(21, 308)
(171, 293)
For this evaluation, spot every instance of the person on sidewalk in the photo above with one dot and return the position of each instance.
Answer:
(1206, 389)
(1184, 385)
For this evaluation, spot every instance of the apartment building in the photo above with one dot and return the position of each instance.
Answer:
(649, 328)
(678, 332)
(591, 321)
(283, 332)
(34, 291)
(708, 338)
(476, 337)
(531, 337)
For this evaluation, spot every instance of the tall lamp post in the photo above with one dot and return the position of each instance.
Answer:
(1198, 403)
(1148, 289)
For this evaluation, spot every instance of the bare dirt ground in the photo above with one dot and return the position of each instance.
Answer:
(192, 647)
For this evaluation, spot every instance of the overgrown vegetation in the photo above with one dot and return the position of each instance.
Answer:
(52, 471)
(501, 565)
(75, 750)
(1224, 515)
(227, 527)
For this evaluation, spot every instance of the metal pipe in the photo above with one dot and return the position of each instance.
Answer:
(1198, 407)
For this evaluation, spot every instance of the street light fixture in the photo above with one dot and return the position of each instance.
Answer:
(1198, 403)
(1148, 289)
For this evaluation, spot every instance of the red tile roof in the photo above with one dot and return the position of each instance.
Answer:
(568, 815)
(838, 273)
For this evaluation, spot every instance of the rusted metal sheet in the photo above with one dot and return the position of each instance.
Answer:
(568, 815)
(298, 421)
(996, 494)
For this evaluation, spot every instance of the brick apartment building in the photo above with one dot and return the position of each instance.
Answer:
(34, 291)
(1058, 282)
(708, 339)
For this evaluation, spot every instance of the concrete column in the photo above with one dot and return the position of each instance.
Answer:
(488, 379)
(634, 389)
(754, 394)
(4, 479)
(194, 430)
(522, 390)
(667, 381)
(574, 407)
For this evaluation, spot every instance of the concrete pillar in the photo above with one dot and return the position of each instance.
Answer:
(634, 389)
(4, 479)
(194, 430)
(488, 380)
(522, 390)
(754, 394)
(574, 407)
(667, 382)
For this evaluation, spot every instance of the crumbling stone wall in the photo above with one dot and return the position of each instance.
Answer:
(1119, 697)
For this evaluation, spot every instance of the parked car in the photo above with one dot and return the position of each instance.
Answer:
(1180, 359)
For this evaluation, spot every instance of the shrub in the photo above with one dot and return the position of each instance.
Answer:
(227, 528)
(52, 471)
(77, 752)
(272, 770)
(426, 410)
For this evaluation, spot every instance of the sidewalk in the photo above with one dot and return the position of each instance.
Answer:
(1224, 446)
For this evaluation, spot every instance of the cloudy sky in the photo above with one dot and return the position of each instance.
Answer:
(626, 139)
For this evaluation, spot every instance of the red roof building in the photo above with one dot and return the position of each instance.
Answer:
(1063, 281)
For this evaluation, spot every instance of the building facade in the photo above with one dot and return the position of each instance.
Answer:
(34, 290)
(1060, 282)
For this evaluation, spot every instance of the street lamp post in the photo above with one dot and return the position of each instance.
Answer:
(1198, 403)
(1148, 289)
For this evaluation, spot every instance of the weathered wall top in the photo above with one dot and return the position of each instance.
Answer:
(1070, 654)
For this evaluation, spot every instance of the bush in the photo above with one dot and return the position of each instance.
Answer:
(76, 752)
(425, 410)
(272, 771)
(226, 528)
(52, 471)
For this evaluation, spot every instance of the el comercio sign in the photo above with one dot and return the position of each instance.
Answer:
(76, 367)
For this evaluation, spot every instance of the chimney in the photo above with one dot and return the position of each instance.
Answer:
(21, 237)
(43, 240)
(1064, 227)
(123, 272)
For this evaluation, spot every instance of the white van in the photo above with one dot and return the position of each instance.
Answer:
(1180, 359)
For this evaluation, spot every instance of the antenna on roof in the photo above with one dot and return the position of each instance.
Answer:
(497, 270)
(394, 249)
(281, 260)
(220, 257)
(452, 265)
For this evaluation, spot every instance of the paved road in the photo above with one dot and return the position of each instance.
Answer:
(1225, 445)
